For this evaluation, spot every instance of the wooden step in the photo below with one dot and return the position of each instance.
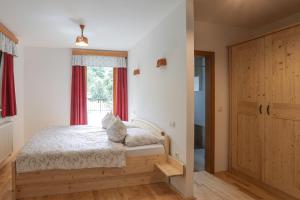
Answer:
(171, 168)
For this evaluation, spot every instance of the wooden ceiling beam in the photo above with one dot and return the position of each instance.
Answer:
(100, 52)
(8, 33)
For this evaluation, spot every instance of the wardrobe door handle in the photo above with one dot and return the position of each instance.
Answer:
(260, 109)
(268, 109)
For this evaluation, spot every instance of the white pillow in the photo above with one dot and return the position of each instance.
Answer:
(140, 137)
(117, 131)
(108, 119)
(129, 125)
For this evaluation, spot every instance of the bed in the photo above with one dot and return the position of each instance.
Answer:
(77, 163)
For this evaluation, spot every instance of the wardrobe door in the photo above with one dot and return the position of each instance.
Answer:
(282, 133)
(247, 96)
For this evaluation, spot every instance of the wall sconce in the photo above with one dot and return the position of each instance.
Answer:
(161, 62)
(136, 72)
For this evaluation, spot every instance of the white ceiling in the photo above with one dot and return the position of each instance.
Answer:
(119, 24)
(110, 24)
(245, 13)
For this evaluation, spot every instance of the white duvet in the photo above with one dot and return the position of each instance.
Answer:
(70, 147)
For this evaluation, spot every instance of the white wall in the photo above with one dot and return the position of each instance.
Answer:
(214, 37)
(160, 95)
(157, 94)
(18, 130)
(19, 84)
(47, 79)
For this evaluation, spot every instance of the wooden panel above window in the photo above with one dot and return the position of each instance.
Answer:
(8, 33)
(99, 53)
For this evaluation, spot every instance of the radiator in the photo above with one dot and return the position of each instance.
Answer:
(6, 140)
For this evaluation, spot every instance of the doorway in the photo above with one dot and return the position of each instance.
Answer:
(204, 113)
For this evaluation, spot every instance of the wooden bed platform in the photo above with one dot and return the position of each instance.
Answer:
(139, 170)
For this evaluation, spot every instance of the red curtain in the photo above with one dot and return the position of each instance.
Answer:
(79, 96)
(8, 95)
(120, 93)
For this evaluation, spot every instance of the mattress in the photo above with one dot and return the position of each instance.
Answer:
(146, 150)
(77, 147)
(70, 147)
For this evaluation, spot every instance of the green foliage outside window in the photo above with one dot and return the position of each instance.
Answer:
(100, 84)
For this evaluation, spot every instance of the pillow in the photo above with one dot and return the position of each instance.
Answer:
(108, 119)
(116, 131)
(129, 125)
(139, 137)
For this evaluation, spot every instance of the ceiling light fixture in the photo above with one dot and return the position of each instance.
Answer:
(82, 41)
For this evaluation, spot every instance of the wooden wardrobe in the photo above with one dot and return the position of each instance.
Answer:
(265, 111)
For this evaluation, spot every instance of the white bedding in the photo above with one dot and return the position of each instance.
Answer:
(140, 137)
(146, 150)
(70, 147)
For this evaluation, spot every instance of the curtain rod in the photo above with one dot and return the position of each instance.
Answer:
(8, 33)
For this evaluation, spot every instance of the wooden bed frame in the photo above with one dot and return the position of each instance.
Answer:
(139, 170)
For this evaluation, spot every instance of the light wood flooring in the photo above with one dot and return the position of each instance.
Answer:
(206, 187)
(224, 186)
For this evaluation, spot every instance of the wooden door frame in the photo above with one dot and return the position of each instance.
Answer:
(209, 109)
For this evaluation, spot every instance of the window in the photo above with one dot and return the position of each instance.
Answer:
(99, 94)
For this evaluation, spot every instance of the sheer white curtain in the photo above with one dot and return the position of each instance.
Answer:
(98, 61)
(7, 46)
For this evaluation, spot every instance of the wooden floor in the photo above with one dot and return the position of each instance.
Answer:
(224, 186)
(206, 187)
(146, 192)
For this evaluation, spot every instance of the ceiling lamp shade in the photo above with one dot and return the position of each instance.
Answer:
(82, 41)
